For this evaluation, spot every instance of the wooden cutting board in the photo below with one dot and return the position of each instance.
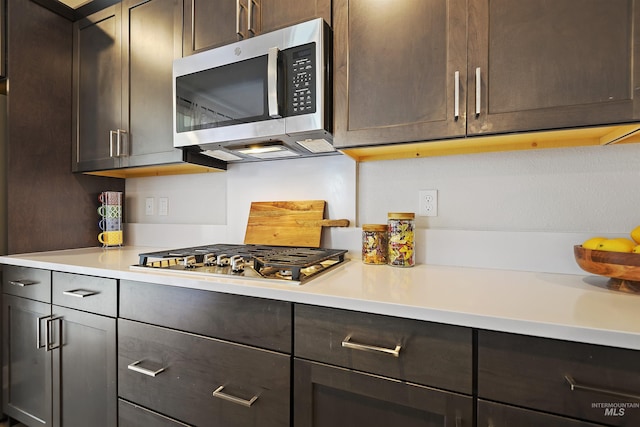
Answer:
(288, 223)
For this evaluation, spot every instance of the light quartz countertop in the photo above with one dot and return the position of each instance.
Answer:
(562, 306)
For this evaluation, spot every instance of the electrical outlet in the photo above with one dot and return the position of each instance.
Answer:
(163, 206)
(428, 203)
(148, 206)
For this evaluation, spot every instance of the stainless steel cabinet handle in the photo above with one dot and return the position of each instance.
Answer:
(79, 293)
(456, 95)
(575, 386)
(120, 150)
(218, 393)
(250, 27)
(38, 331)
(112, 133)
(239, 8)
(22, 283)
(395, 352)
(478, 90)
(272, 82)
(134, 367)
(53, 345)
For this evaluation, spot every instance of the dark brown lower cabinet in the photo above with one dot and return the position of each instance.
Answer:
(59, 365)
(84, 370)
(200, 380)
(131, 415)
(575, 380)
(329, 396)
(27, 365)
(498, 415)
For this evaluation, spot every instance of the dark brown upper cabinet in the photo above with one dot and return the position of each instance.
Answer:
(123, 58)
(545, 64)
(399, 70)
(427, 71)
(210, 24)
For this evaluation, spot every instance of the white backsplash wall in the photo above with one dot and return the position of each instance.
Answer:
(214, 207)
(513, 210)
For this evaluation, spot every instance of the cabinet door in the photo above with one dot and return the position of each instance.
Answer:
(327, 396)
(547, 64)
(85, 373)
(496, 415)
(397, 66)
(27, 386)
(97, 90)
(276, 14)
(152, 30)
(210, 23)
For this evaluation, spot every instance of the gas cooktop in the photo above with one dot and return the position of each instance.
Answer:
(288, 264)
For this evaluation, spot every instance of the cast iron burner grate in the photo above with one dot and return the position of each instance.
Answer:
(280, 261)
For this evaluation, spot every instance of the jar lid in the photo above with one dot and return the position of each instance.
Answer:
(374, 227)
(401, 215)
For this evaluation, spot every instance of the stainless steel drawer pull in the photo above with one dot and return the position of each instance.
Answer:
(395, 352)
(575, 386)
(136, 368)
(79, 293)
(218, 393)
(22, 283)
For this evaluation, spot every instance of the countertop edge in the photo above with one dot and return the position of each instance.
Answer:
(305, 295)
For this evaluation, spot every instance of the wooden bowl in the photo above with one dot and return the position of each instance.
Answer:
(619, 265)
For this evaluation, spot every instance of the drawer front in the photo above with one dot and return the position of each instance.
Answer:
(88, 293)
(247, 320)
(200, 380)
(538, 373)
(497, 415)
(27, 282)
(130, 415)
(427, 353)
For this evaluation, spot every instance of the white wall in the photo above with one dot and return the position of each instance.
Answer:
(513, 210)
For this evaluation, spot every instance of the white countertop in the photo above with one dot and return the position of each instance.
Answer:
(562, 306)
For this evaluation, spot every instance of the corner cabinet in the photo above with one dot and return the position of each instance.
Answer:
(449, 68)
(122, 91)
(211, 24)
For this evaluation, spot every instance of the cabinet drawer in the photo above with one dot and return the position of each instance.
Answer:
(130, 415)
(88, 293)
(27, 282)
(427, 353)
(200, 380)
(497, 415)
(537, 373)
(247, 320)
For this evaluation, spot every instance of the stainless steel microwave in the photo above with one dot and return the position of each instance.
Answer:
(261, 98)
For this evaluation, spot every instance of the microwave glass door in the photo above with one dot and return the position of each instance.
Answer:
(223, 96)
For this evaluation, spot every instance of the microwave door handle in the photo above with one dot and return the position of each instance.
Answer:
(272, 82)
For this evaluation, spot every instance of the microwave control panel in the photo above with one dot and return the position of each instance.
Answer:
(301, 76)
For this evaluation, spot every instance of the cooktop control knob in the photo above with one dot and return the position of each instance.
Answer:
(237, 264)
(222, 260)
(209, 260)
(189, 261)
